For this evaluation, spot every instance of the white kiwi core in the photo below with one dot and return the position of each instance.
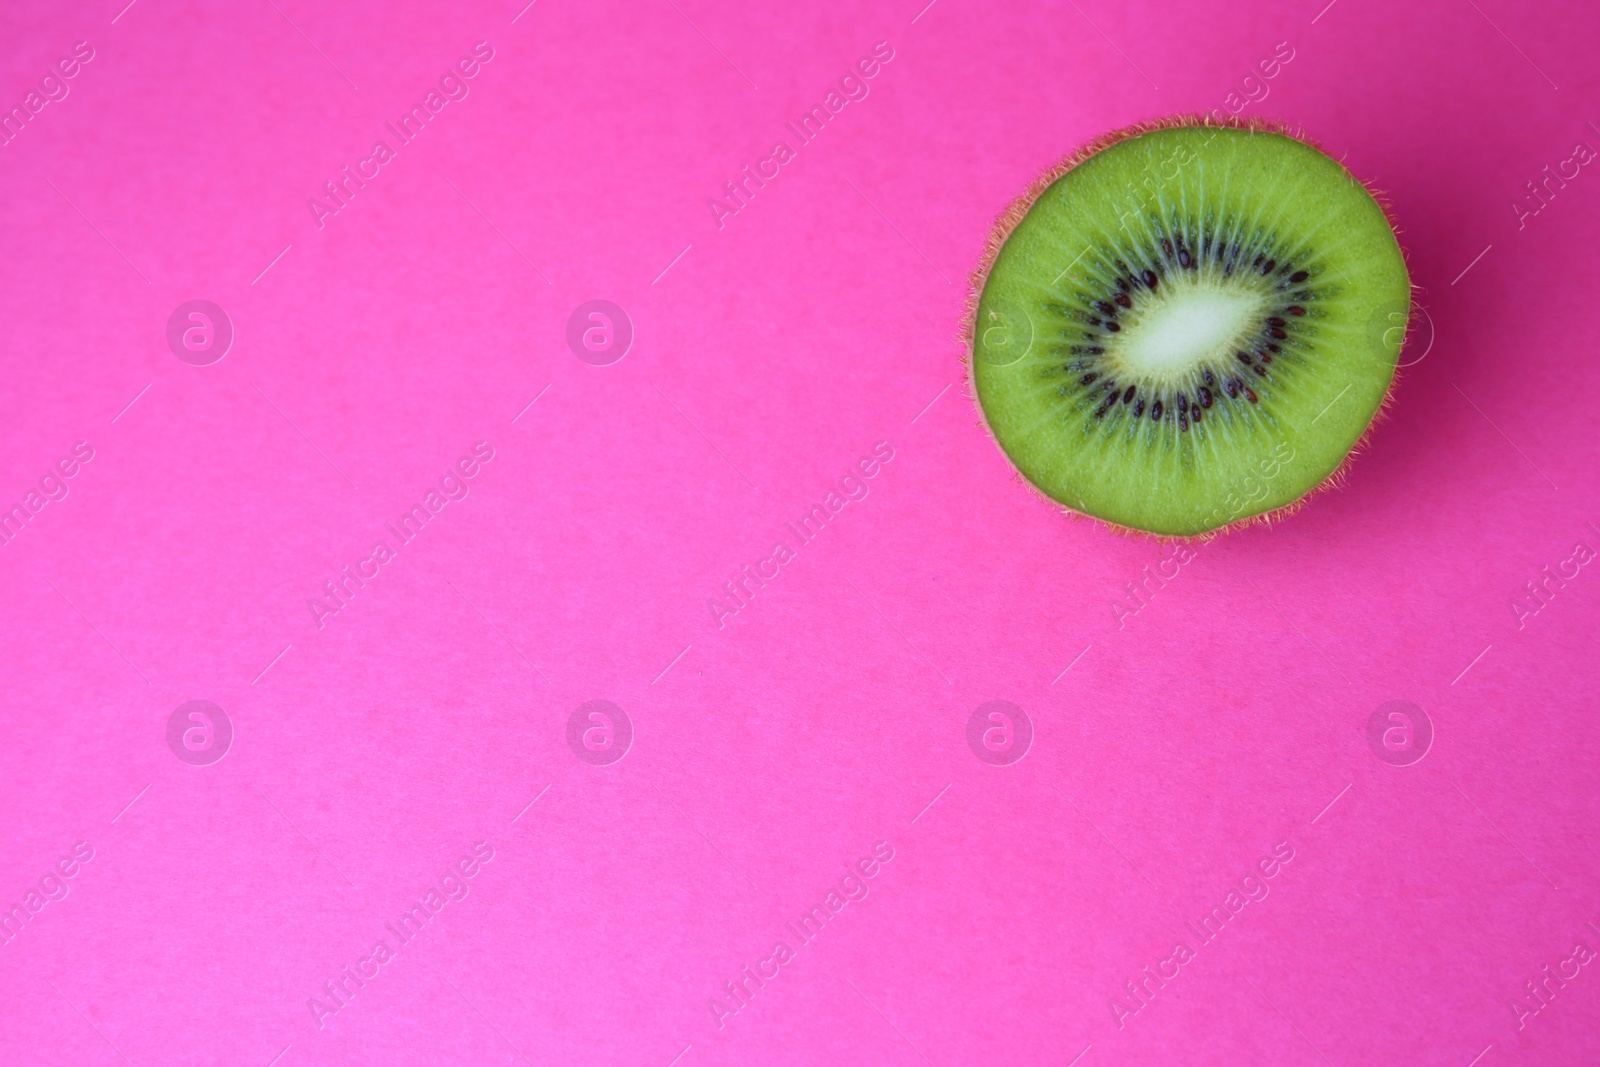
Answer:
(1185, 324)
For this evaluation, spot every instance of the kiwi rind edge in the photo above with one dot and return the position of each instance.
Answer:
(1017, 210)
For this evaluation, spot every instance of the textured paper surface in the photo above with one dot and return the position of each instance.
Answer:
(377, 749)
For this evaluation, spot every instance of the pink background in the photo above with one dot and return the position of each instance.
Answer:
(829, 715)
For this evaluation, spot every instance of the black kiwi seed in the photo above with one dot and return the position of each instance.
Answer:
(1155, 411)
(1210, 378)
(1299, 276)
(1113, 327)
(1149, 279)
(1275, 321)
(1263, 357)
(1183, 257)
(1087, 378)
(1259, 369)
(1166, 246)
(1248, 395)
(1296, 309)
(1127, 396)
(1183, 404)
(1205, 395)
(1107, 309)
(1122, 298)
(1267, 267)
(1138, 407)
(1242, 358)
(1274, 331)
(1183, 422)
(1232, 387)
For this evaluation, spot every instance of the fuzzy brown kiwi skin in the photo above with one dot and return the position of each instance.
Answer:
(1017, 210)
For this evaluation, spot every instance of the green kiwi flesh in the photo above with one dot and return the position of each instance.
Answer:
(1193, 326)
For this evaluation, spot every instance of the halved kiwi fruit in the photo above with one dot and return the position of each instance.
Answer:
(1187, 325)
